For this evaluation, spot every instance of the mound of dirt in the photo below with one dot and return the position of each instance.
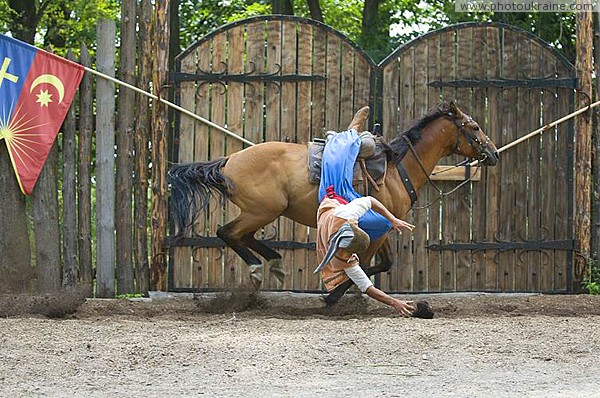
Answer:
(56, 305)
(295, 305)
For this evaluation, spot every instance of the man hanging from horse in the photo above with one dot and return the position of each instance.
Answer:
(346, 222)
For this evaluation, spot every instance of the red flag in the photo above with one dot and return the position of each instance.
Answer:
(36, 90)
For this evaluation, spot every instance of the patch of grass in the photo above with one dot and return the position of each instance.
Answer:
(591, 282)
(128, 296)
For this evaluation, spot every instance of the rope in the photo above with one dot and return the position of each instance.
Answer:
(544, 128)
(172, 105)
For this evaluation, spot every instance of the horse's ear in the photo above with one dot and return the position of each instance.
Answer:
(454, 111)
(377, 130)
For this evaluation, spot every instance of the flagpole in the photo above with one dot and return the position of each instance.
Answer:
(172, 105)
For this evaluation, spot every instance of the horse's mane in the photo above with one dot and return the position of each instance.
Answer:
(397, 147)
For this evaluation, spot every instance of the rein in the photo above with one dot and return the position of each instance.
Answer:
(440, 191)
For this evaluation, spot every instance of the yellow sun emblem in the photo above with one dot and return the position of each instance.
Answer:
(44, 98)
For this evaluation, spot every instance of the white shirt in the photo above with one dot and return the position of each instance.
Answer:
(353, 210)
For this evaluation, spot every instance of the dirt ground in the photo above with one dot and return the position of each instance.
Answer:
(288, 345)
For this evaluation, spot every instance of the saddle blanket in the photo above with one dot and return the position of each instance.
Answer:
(376, 164)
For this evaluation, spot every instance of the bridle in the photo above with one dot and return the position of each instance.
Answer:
(460, 124)
(471, 139)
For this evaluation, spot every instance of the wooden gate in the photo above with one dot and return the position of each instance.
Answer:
(512, 230)
(290, 79)
(266, 78)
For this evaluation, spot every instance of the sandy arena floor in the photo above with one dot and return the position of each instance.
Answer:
(288, 345)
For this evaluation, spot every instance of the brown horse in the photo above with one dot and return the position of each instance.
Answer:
(271, 179)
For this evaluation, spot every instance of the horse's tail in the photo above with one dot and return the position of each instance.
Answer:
(192, 186)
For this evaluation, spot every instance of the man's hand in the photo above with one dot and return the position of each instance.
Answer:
(404, 308)
(398, 224)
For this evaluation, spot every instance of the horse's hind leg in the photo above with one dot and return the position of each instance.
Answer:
(228, 235)
(239, 235)
(274, 258)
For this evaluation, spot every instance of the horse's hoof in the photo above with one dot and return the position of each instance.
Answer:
(276, 268)
(256, 274)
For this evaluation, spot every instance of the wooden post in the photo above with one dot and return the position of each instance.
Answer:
(159, 144)
(583, 149)
(69, 224)
(105, 161)
(125, 124)
(141, 136)
(84, 208)
(15, 259)
(595, 230)
(45, 221)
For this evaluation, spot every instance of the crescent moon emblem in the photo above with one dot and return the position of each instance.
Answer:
(50, 79)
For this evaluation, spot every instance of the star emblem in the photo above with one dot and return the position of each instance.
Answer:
(44, 98)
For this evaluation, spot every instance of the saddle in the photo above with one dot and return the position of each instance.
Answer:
(367, 170)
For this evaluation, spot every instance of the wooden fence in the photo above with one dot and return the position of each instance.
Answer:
(291, 79)
(78, 210)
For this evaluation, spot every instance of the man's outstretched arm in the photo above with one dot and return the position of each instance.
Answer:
(397, 223)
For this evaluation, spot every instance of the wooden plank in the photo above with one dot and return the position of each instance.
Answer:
(433, 96)
(217, 149)
(420, 217)
(105, 161)
(125, 124)
(455, 173)
(141, 166)
(535, 172)
(273, 92)
(69, 228)
(160, 127)
(347, 86)
(508, 173)
(391, 86)
(201, 145)
(235, 98)
(288, 133)
(302, 269)
(254, 99)
(273, 122)
(362, 83)
(550, 109)
(334, 62)
(319, 67)
(521, 191)
(479, 113)
(182, 256)
(449, 204)
(563, 226)
(495, 117)
(84, 208)
(403, 280)
(390, 116)
(462, 197)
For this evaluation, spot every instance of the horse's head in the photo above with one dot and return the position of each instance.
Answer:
(471, 141)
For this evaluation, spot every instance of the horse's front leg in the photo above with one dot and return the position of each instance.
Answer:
(383, 265)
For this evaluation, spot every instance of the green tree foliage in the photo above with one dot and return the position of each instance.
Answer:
(390, 22)
(198, 19)
(58, 25)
